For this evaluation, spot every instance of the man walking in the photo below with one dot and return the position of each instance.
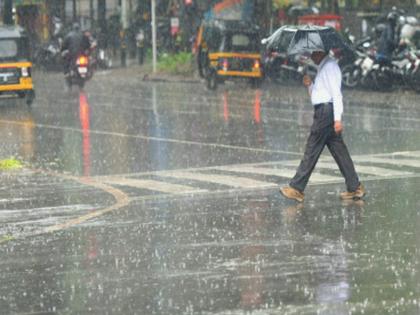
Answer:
(327, 127)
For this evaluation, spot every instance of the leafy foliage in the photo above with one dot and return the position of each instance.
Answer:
(180, 63)
(10, 164)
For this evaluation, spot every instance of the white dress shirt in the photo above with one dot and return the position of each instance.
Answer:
(327, 86)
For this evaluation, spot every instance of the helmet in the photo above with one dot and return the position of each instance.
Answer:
(392, 17)
(412, 20)
(76, 26)
(402, 20)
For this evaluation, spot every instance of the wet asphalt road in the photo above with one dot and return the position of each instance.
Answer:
(162, 198)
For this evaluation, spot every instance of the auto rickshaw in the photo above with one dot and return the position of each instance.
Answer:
(15, 64)
(228, 49)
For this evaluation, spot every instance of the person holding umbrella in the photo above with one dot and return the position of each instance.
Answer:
(327, 100)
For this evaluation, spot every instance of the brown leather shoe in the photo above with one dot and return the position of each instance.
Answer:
(357, 194)
(292, 193)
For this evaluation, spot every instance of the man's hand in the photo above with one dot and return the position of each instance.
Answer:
(307, 81)
(338, 126)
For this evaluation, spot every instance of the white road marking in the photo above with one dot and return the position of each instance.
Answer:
(415, 154)
(280, 172)
(168, 140)
(233, 181)
(392, 161)
(153, 185)
(362, 169)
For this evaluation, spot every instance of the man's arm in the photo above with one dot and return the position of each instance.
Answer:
(307, 81)
(334, 86)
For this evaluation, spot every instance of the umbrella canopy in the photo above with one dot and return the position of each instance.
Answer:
(309, 38)
(280, 38)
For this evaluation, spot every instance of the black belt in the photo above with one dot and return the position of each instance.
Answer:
(318, 106)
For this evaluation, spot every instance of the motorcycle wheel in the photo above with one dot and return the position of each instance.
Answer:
(415, 81)
(350, 76)
(81, 84)
(382, 80)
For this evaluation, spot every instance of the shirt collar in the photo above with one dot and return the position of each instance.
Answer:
(326, 58)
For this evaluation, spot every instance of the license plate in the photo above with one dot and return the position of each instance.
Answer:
(82, 70)
(235, 63)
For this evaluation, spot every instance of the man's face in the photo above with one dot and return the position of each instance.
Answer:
(317, 56)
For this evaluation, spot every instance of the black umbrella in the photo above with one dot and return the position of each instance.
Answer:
(309, 38)
(281, 37)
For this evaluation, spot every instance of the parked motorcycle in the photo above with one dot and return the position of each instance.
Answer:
(48, 56)
(359, 72)
(414, 76)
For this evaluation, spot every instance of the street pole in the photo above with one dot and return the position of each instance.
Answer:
(124, 15)
(124, 24)
(102, 14)
(8, 12)
(91, 13)
(74, 11)
(154, 50)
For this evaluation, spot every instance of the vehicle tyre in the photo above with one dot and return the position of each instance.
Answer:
(202, 62)
(276, 73)
(212, 80)
(68, 84)
(256, 82)
(30, 97)
(200, 65)
(81, 84)
(383, 80)
(415, 81)
(350, 76)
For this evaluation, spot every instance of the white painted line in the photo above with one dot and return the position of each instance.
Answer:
(315, 177)
(362, 169)
(287, 173)
(168, 140)
(415, 154)
(392, 161)
(233, 181)
(153, 185)
(279, 172)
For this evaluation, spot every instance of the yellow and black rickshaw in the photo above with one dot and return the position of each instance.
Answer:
(228, 49)
(15, 64)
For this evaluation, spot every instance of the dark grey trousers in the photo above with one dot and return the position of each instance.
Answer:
(323, 134)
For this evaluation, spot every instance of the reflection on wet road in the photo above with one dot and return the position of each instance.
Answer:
(162, 199)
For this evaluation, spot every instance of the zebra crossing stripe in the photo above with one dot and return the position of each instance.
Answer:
(362, 169)
(279, 172)
(415, 154)
(154, 185)
(233, 181)
(236, 175)
(369, 170)
(392, 161)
